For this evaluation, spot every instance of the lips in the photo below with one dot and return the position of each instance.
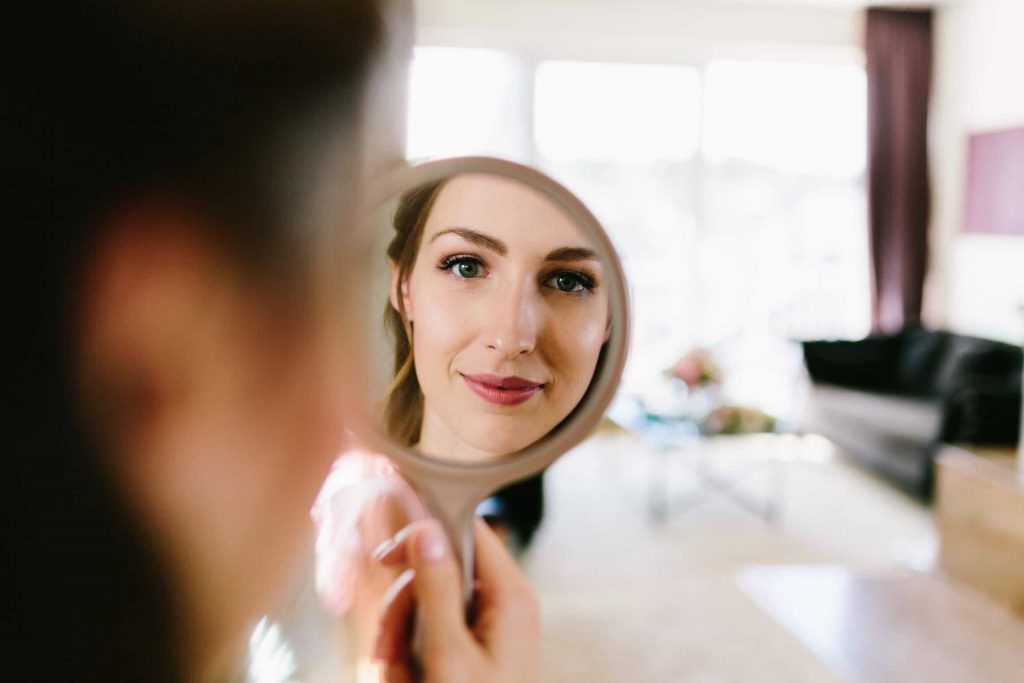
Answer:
(504, 391)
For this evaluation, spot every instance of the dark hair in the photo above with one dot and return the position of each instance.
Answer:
(106, 101)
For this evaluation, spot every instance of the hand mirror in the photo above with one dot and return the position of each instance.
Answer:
(490, 315)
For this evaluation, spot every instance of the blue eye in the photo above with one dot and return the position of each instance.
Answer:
(570, 282)
(464, 267)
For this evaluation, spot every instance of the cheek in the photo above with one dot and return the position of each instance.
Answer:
(308, 401)
(301, 362)
(576, 345)
(272, 425)
(442, 327)
(325, 372)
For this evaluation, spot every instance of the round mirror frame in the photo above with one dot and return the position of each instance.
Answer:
(586, 415)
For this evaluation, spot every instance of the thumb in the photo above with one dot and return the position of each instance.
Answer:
(436, 584)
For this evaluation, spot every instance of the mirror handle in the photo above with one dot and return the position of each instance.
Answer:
(458, 526)
(463, 545)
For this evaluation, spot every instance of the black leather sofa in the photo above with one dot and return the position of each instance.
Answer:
(889, 401)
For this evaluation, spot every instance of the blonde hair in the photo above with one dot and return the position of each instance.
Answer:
(403, 403)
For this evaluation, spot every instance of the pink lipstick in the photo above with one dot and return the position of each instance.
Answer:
(503, 391)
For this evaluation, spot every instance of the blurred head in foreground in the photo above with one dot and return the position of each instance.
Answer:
(180, 174)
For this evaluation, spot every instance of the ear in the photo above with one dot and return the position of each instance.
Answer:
(400, 289)
(142, 285)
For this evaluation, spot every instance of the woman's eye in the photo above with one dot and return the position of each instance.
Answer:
(465, 267)
(569, 282)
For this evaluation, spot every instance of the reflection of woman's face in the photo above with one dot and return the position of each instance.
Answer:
(509, 315)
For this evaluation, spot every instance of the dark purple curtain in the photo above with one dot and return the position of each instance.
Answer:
(899, 66)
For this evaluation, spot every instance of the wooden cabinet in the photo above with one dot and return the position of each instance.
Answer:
(980, 513)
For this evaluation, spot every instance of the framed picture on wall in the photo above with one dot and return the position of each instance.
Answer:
(994, 203)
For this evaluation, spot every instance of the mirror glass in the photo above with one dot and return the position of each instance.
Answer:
(489, 315)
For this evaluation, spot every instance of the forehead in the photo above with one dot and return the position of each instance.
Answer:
(504, 208)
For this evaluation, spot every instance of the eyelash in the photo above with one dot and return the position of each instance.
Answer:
(448, 264)
(585, 282)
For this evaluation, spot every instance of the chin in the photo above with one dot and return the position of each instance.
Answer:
(501, 439)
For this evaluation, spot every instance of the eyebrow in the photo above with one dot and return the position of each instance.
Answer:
(475, 237)
(572, 254)
(564, 254)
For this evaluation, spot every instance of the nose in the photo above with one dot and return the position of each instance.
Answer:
(512, 321)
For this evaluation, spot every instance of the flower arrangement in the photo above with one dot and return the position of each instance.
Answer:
(737, 420)
(696, 369)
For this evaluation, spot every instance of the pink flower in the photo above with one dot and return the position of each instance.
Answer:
(688, 369)
(695, 369)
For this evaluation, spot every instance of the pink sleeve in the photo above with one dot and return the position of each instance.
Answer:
(357, 478)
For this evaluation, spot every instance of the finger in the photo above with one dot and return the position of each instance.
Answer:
(396, 673)
(381, 519)
(392, 642)
(498, 575)
(507, 614)
(437, 588)
(384, 516)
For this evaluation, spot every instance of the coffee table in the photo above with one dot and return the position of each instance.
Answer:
(678, 439)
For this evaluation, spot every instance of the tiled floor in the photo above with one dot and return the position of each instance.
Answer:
(626, 598)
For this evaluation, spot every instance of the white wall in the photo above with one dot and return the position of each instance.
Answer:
(976, 281)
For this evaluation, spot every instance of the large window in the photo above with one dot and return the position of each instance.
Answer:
(783, 228)
(733, 190)
(625, 137)
(465, 101)
(633, 114)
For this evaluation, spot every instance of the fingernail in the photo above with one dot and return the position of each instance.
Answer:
(431, 545)
(383, 549)
(399, 584)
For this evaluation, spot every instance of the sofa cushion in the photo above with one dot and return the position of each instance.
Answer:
(970, 359)
(870, 364)
(898, 418)
(922, 353)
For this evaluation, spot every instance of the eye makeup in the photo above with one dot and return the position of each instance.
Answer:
(467, 266)
(463, 266)
(571, 282)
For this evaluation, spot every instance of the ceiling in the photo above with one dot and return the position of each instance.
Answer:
(827, 4)
(856, 4)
